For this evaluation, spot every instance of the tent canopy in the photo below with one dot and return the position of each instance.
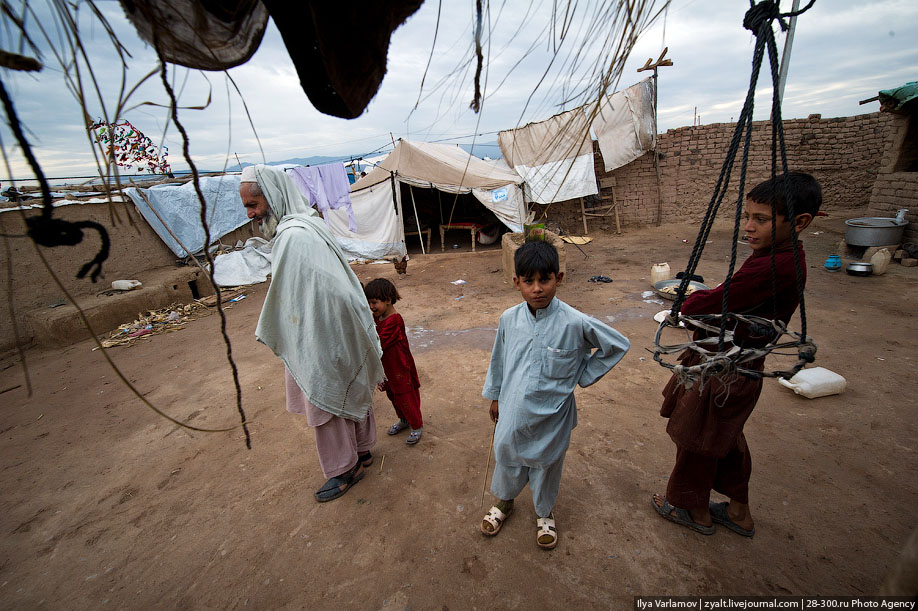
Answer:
(377, 202)
(446, 166)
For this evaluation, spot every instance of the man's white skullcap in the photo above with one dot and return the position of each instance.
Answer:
(248, 174)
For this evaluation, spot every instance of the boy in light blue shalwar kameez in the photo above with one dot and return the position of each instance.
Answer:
(544, 348)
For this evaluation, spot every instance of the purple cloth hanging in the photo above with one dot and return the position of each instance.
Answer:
(327, 188)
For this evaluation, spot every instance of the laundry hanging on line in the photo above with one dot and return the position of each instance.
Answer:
(327, 188)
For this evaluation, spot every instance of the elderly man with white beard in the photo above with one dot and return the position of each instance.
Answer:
(316, 319)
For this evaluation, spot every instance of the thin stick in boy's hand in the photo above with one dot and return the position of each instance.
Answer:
(484, 484)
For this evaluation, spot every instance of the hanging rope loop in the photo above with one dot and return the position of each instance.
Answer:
(761, 15)
(718, 354)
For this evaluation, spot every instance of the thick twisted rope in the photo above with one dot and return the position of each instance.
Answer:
(759, 20)
(44, 229)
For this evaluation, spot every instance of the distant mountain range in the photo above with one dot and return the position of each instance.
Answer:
(480, 149)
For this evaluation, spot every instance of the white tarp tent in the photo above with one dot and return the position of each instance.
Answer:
(555, 157)
(377, 203)
(177, 207)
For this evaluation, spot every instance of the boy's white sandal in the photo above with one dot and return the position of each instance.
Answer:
(495, 517)
(547, 529)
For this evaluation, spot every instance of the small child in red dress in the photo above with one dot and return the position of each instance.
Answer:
(402, 382)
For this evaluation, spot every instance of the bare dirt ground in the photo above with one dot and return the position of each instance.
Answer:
(106, 505)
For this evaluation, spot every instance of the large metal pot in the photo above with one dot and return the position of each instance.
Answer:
(874, 231)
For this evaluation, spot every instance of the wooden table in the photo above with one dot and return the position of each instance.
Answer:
(473, 227)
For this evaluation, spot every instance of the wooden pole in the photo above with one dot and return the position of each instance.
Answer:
(651, 65)
(583, 215)
(656, 155)
(484, 484)
(416, 219)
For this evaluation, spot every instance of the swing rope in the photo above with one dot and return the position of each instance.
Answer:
(728, 363)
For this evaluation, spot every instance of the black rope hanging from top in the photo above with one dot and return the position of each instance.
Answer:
(717, 361)
(44, 229)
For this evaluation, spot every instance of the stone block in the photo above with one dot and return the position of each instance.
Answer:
(899, 255)
(909, 262)
(874, 249)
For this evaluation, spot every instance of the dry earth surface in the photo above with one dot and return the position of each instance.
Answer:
(107, 505)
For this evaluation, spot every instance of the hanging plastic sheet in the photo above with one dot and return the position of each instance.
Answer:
(554, 157)
(624, 125)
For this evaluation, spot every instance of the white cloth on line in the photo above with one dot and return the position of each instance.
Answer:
(554, 157)
(624, 124)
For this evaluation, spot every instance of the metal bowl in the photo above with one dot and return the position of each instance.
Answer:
(859, 268)
(675, 282)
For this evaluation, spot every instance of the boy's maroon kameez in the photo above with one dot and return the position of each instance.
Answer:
(707, 425)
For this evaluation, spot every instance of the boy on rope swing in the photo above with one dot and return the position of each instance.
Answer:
(706, 423)
(543, 350)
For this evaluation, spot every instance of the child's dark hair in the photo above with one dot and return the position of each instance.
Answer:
(805, 191)
(536, 257)
(382, 290)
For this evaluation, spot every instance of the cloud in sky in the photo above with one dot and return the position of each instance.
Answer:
(844, 51)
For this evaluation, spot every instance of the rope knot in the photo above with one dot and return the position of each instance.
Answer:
(51, 232)
(807, 352)
(761, 15)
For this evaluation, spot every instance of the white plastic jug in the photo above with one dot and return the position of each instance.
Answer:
(126, 285)
(659, 271)
(880, 261)
(815, 382)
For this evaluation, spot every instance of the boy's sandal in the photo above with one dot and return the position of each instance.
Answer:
(332, 489)
(680, 516)
(494, 520)
(398, 427)
(365, 459)
(720, 516)
(413, 437)
(547, 537)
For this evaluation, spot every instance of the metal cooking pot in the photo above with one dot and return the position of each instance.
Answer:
(874, 231)
(859, 268)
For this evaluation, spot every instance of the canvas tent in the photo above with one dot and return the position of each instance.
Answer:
(377, 197)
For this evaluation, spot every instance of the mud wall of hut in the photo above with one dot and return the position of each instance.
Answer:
(136, 253)
(844, 154)
(896, 186)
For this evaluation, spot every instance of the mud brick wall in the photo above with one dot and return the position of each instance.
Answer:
(135, 250)
(844, 154)
(896, 186)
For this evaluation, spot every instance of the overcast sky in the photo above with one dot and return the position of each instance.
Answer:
(844, 51)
